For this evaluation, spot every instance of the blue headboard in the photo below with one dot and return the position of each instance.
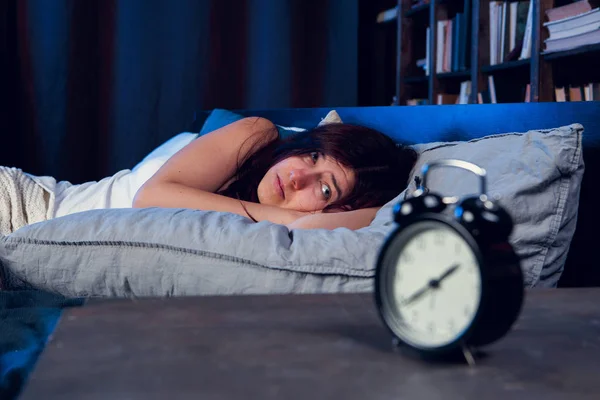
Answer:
(422, 124)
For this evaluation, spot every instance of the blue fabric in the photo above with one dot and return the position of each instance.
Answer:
(219, 118)
(27, 318)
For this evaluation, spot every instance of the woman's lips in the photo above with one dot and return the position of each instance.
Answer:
(279, 187)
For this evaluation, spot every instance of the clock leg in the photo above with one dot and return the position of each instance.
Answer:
(468, 355)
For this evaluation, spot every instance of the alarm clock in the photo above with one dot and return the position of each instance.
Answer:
(447, 279)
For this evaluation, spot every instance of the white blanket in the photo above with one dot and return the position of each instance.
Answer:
(22, 200)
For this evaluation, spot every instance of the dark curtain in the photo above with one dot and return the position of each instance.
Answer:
(88, 87)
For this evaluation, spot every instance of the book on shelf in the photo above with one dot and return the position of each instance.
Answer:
(417, 102)
(527, 93)
(451, 98)
(484, 97)
(576, 25)
(451, 42)
(425, 66)
(447, 98)
(492, 89)
(387, 15)
(571, 9)
(488, 96)
(418, 3)
(591, 92)
(511, 35)
(510, 27)
(392, 13)
(560, 94)
(572, 42)
(465, 92)
(587, 92)
(575, 93)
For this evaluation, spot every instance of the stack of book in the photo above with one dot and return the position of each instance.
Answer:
(573, 25)
(510, 30)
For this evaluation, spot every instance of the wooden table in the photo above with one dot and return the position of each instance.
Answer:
(307, 347)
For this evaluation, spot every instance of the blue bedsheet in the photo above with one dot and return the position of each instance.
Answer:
(27, 318)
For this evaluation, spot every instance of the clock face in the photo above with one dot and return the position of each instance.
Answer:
(432, 286)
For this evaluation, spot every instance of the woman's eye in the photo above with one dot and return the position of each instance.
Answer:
(326, 191)
(314, 156)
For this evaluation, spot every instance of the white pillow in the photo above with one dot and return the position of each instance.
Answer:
(116, 191)
(167, 149)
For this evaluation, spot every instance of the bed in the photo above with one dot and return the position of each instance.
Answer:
(533, 152)
(463, 123)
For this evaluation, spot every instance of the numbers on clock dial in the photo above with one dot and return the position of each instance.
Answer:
(431, 327)
(457, 248)
(439, 238)
(450, 323)
(437, 278)
(407, 258)
(414, 315)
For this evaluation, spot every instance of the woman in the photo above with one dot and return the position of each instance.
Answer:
(335, 175)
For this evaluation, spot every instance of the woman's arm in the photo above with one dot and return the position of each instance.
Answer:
(354, 219)
(177, 195)
(190, 178)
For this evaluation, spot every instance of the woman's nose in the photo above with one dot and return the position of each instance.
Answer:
(299, 178)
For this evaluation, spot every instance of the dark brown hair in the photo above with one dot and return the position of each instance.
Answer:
(381, 166)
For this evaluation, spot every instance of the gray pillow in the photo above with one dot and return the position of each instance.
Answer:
(536, 176)
(167, 252)
(175, 252)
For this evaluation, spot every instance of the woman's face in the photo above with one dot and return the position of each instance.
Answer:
(305, 183)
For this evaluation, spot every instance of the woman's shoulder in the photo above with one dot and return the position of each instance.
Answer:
(254, 125)
(251, 133)
(259, 122)
(208, 162)
(241, 133)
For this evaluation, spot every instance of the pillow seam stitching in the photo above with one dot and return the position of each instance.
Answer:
(333, 270)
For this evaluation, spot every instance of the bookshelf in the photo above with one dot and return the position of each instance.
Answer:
(516, 79)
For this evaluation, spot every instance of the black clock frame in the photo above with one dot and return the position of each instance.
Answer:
(502, 291)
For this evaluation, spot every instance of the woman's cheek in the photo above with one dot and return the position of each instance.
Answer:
(306, 203)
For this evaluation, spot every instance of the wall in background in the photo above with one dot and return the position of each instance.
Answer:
(94, 85)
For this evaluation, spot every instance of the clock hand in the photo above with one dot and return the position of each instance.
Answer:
(447, 273)
(418, 294)
(432, 284)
